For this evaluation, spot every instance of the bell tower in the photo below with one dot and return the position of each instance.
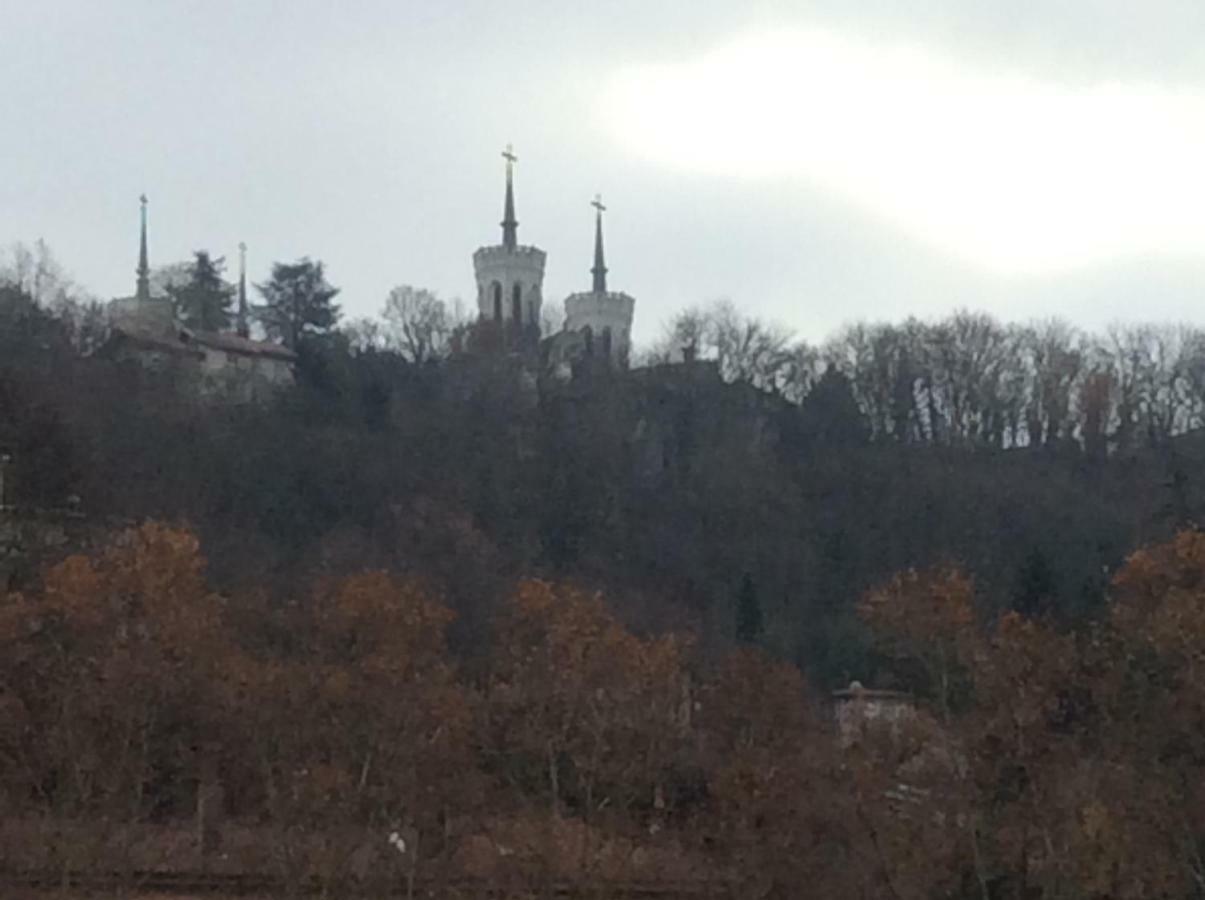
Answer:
(602, 317)
(510, 276)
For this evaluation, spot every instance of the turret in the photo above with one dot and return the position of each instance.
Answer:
(604, 318)
(510, 277)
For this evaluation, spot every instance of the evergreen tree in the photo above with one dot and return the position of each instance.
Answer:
(1036, 586)
(204, 301)
(749, 623)
(829, 415)
(297, 302)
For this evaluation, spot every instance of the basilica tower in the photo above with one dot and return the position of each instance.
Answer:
(602, 317)
(510, 276)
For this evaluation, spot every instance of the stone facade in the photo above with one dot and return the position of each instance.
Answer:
(510, 282)
(228, 367)
(860, 711)
(597, 333)
(605, 324)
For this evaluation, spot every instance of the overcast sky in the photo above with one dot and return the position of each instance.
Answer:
(815, 162)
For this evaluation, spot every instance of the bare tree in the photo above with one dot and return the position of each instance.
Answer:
(418, 324)
(744, 347)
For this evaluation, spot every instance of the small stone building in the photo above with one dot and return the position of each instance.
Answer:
(229, 367)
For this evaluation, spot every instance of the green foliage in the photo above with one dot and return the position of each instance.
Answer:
(298, 303)
(203, 302)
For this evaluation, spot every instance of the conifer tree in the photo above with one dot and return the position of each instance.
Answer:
(297, 302)
(204, 301)
(749, 623)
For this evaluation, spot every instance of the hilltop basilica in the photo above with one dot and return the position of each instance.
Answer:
(510, 277)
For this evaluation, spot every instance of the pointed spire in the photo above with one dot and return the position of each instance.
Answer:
(510, 227)
(143, 293)
(600, 268)
(242, 325)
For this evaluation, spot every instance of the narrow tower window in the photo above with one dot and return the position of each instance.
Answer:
(589, 335)
(497, 291)
(606, 342)
(516, 304)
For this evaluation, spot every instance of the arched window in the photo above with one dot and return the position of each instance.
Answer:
(588, 333)
(496, 288)
(606, 342)
(516, 304)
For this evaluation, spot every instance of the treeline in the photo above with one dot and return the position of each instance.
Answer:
(327, 727)
(969, 380)
(757, 510)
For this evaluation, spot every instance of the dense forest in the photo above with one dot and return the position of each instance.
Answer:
(755, 493)
(429, 592)
(329, 736)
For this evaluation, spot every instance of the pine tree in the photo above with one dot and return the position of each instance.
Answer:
(749, 623)
(297, 302)
(204, 301)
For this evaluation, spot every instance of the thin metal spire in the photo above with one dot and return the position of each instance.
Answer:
(600, 268)
(143, 292)
(510, 227)
(242, 326)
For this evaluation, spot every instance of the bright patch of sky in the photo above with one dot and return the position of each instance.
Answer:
(1009, 172)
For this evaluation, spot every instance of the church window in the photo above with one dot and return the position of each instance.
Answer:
(588, 333)
(606, 342)
(497, 291)
(516, 304)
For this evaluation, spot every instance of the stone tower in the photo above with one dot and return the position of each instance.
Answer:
(510, 277)
(604, 318)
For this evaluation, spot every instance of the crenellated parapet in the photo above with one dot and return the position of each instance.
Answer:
(510, 284)
(606, 322)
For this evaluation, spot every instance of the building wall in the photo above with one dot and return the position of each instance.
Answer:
(243, 377)
(600, 313)
(524, 266)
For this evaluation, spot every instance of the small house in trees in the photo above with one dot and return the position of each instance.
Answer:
(860, 711)
(220, 366)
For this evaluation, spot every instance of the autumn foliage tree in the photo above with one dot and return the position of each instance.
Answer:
(1027, 760)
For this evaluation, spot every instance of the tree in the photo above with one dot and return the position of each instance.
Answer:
(829, 416)
(203, 301)
(748, 613)
(36, 272)
(418, 324)
(744, 347)
(297, 302)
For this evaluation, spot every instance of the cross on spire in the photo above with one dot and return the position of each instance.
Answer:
(600, 269)
(510, 226)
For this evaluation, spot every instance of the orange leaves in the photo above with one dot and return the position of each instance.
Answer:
(379, 620)
(593, 706)
(754, 701)
(918, 608)
(147, 584)
(1160, 601)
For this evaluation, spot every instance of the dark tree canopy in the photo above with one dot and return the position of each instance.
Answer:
(298, 302)
(203, 302)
